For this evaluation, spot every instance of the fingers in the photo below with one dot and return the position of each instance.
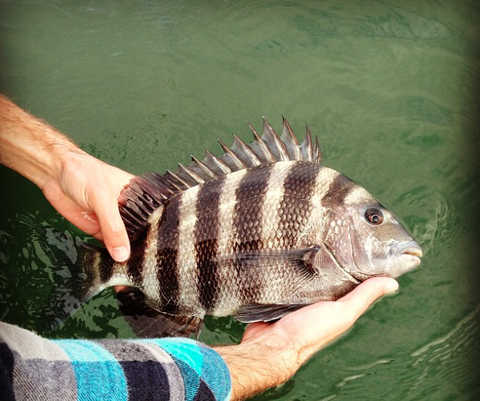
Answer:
(358, 301)
(113, 229)
(339, 316)
(86, 194)
(309, 329)
(103, 221)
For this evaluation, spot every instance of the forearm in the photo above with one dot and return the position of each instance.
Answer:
(30, 146)
(255, 367)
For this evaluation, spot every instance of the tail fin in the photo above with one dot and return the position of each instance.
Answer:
(75, 279)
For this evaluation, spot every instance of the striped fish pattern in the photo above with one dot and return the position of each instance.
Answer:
(256, 233)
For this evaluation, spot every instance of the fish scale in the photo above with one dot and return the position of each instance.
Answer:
(257, 233)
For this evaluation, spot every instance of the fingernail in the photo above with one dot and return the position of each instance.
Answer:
(391, 287)
(120, 254)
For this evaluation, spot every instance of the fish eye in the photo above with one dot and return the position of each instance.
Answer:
(374, 216)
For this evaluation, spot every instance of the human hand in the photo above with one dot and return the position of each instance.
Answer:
(312, 327)
(270, 353)
(82, 188)
(85, 192)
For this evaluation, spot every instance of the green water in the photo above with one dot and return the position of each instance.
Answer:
(391, 89)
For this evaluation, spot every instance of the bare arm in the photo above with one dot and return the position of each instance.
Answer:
(82, 188)
(271, 354)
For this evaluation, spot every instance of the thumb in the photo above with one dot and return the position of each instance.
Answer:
(113, 230)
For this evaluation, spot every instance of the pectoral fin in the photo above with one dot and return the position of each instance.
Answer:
(299, 260)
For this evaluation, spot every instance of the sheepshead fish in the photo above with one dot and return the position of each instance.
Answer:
(261, 231)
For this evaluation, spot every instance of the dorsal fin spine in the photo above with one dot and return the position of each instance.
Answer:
(273, 140)
(245, 152)
(317, 152)
(260, 148)
(290, 140)
(176, 180)
(215, 161)
(198, 179)
(231, 159)
(203, 167)
(307, 151)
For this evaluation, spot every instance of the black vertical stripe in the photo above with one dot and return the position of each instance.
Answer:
(295, 208)
(301, 179)
(135, 263)
(249, 209)
(248, 228)
(167, 253)
(206, 242)
(338, 191)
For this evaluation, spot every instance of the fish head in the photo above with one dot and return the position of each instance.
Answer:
(366, 239)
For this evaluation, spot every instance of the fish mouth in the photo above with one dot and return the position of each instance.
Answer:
(409, 256)
(411, 252)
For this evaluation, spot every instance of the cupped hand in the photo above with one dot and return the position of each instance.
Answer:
(86, 193)
(307, 330)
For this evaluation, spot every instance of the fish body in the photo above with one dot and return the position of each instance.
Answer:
(257, 233)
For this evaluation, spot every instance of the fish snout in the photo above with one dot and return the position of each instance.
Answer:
(409, 248)
(410, 252)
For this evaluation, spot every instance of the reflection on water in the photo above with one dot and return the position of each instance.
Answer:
(388, 88)
(448, 357)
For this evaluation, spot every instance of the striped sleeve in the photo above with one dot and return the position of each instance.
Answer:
(32, 367)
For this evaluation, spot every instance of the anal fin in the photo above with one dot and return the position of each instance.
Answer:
(265, 312)
(147, 322)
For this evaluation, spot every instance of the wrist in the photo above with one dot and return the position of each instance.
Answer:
(258, 364)
(282, 355)
(46, 160)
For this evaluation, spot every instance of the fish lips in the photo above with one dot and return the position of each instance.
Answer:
(405, 256)
(410, 251)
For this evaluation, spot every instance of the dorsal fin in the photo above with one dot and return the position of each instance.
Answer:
(188, 171)
(147, 192)
(307, 146)
(274, 142)
(140, 198)
(201, 169)
(244, 152)
(290, 141)
(260, 148)
(231, 159)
